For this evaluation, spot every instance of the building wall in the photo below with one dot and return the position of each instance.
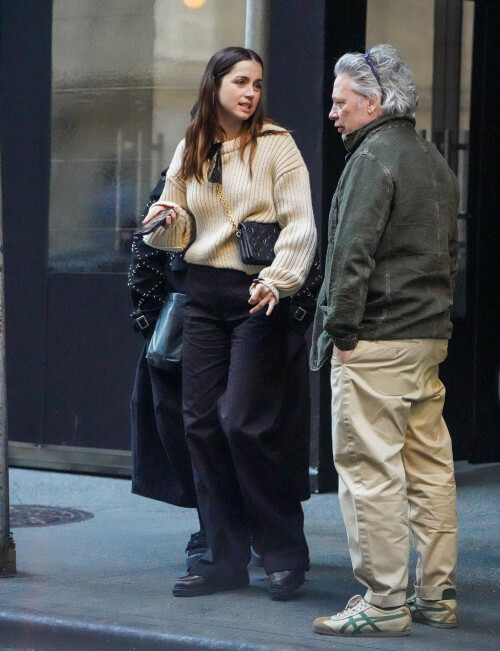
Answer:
(92, 105)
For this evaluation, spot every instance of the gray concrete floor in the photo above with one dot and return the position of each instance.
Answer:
(105, 583)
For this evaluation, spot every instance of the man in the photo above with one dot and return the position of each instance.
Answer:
(383, 317)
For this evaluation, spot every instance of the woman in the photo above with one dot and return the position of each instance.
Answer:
(234, 359)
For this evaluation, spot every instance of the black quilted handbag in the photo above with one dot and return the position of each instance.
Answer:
(257, 242)
(256, 239)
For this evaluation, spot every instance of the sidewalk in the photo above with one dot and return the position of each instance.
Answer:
(105, 583)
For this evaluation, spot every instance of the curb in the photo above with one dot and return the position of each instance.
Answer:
(32, 630)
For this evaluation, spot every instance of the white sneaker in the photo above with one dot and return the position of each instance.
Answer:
(441, 613)
(364, 619)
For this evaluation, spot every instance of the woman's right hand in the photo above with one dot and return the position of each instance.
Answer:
(172, 213)
(260, 296)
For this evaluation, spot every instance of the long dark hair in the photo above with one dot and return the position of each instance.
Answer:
(205, 127)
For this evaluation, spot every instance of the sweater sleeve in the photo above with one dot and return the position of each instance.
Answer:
(297, 241)
(177, 236)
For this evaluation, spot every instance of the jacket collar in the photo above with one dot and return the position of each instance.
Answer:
(353, 139)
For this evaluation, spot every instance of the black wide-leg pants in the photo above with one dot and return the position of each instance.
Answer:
(234, 377)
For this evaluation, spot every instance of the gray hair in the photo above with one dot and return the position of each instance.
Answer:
(394, 85)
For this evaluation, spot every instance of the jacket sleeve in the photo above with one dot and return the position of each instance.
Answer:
(177, 236)
(297, 240)
(356, 225)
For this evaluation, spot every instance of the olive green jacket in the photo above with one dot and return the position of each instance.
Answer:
(392, 242)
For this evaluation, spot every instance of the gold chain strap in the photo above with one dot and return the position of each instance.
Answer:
(224, 203)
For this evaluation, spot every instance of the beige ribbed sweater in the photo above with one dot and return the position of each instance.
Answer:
(278, 191)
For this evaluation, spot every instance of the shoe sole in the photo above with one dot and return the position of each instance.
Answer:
(429, 622)
(282, 594)
(205, 590)
(191, 592)
(321, 631)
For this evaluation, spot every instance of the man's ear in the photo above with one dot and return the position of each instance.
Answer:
(374, 104)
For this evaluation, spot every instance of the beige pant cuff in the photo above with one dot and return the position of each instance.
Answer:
(385, 600)
(431, 594)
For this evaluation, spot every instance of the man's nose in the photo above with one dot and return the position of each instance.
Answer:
(333, 115)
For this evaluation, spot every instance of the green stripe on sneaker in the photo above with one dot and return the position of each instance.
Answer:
(362, 620)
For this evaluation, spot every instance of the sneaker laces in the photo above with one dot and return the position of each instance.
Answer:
(355, 605)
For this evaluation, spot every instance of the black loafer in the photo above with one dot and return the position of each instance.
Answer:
(283, 584)
(194, 585)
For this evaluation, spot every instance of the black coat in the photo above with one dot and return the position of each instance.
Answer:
(161, 466)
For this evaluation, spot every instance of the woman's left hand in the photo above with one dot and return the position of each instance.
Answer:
(260, 296)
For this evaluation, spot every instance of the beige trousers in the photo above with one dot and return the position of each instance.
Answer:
(393, 454)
